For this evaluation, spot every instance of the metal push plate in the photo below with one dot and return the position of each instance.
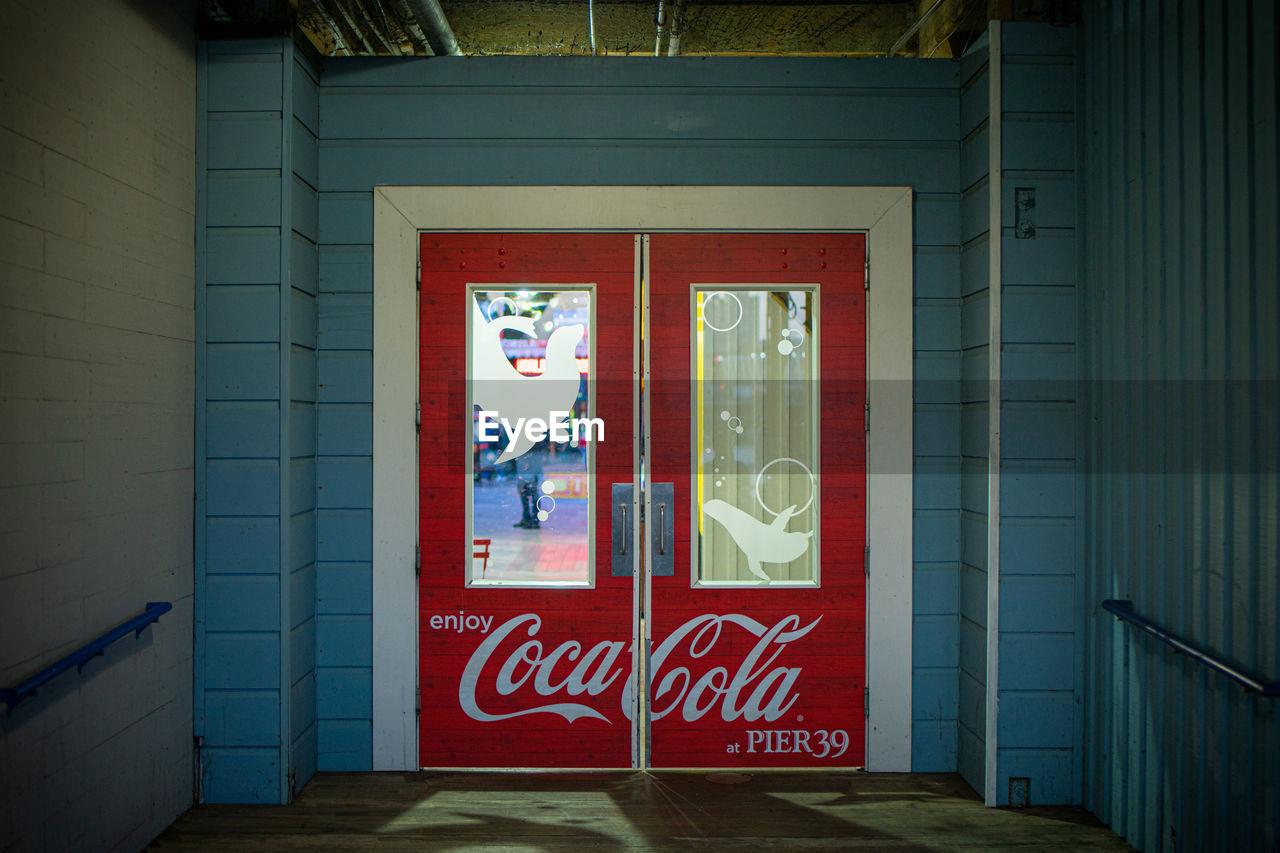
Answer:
(621, 547)
(662, 528)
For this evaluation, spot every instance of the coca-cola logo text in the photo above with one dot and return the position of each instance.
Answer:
(756, 689)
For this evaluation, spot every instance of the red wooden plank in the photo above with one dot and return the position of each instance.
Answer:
(697, 262)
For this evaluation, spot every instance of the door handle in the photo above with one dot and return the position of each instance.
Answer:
(622, 540)
(662, 530)
(622, 557)
(662, 559)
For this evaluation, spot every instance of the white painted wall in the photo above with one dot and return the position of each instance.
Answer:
(97, 201)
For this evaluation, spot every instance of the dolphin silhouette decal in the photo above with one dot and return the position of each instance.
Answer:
(759, 542)
(498, 386)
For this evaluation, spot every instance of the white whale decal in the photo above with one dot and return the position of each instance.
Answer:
(759, 542)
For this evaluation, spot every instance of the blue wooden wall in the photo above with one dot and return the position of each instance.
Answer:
(581, 121)
(1040, 644)
(302, 123)
(975, 393)
(1028, 110)
(1180, 324)
(584, 121)
(257, 278)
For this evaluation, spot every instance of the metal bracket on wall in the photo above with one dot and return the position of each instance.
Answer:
(1024, 213)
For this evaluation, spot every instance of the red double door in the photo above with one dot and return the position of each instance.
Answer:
(642, 500)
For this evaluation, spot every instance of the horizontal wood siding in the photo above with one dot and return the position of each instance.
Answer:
(258, 222)
(239, 702)
(583, 122)
(1040, 648)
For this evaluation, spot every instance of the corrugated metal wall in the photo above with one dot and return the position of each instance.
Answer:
(1181, 327)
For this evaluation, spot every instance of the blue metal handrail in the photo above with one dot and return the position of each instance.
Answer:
(13, 695)
(1123, 610)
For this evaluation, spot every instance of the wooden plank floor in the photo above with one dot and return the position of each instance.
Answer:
(634, 811)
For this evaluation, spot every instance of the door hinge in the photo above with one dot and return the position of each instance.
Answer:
(417, 418)
(866, 272)
(197, 783)
(417, 559)
(866, 416)
(866, 701)
(419, 271)
(866, 560)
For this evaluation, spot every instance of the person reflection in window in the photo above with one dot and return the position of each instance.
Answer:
(528, 476)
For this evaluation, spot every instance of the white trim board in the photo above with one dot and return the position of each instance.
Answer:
(401, 212)
(995, 347)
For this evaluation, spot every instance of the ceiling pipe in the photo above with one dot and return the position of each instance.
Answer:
(591, 23)
(409, 26)
(662, 22)
(914, 28)
(677, 24)
(435, 26)
(338, 14)
(379, 32)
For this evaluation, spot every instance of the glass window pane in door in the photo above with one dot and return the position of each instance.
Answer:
(529, 505)
(755, 356)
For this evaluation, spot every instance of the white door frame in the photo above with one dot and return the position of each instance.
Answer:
(400, 213)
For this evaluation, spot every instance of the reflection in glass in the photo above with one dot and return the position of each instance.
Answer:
(529, 502)
(755, 436)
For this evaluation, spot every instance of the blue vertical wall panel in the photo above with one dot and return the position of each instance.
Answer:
(300, 88)
(242, 371)
(1040, 648)
(238, 637)
(255, 558)
(345, 744)
(240, 717)
(243, 602)
(344, 588)
(241, 313)
(974, 321)
(241, 429)
(344, 482)
(241, 545)
(240, 774)
(347, 269)
(244, 140)
(1178, 320)
(243, 198)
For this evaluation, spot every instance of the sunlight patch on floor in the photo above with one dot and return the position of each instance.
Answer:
(579, 811)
